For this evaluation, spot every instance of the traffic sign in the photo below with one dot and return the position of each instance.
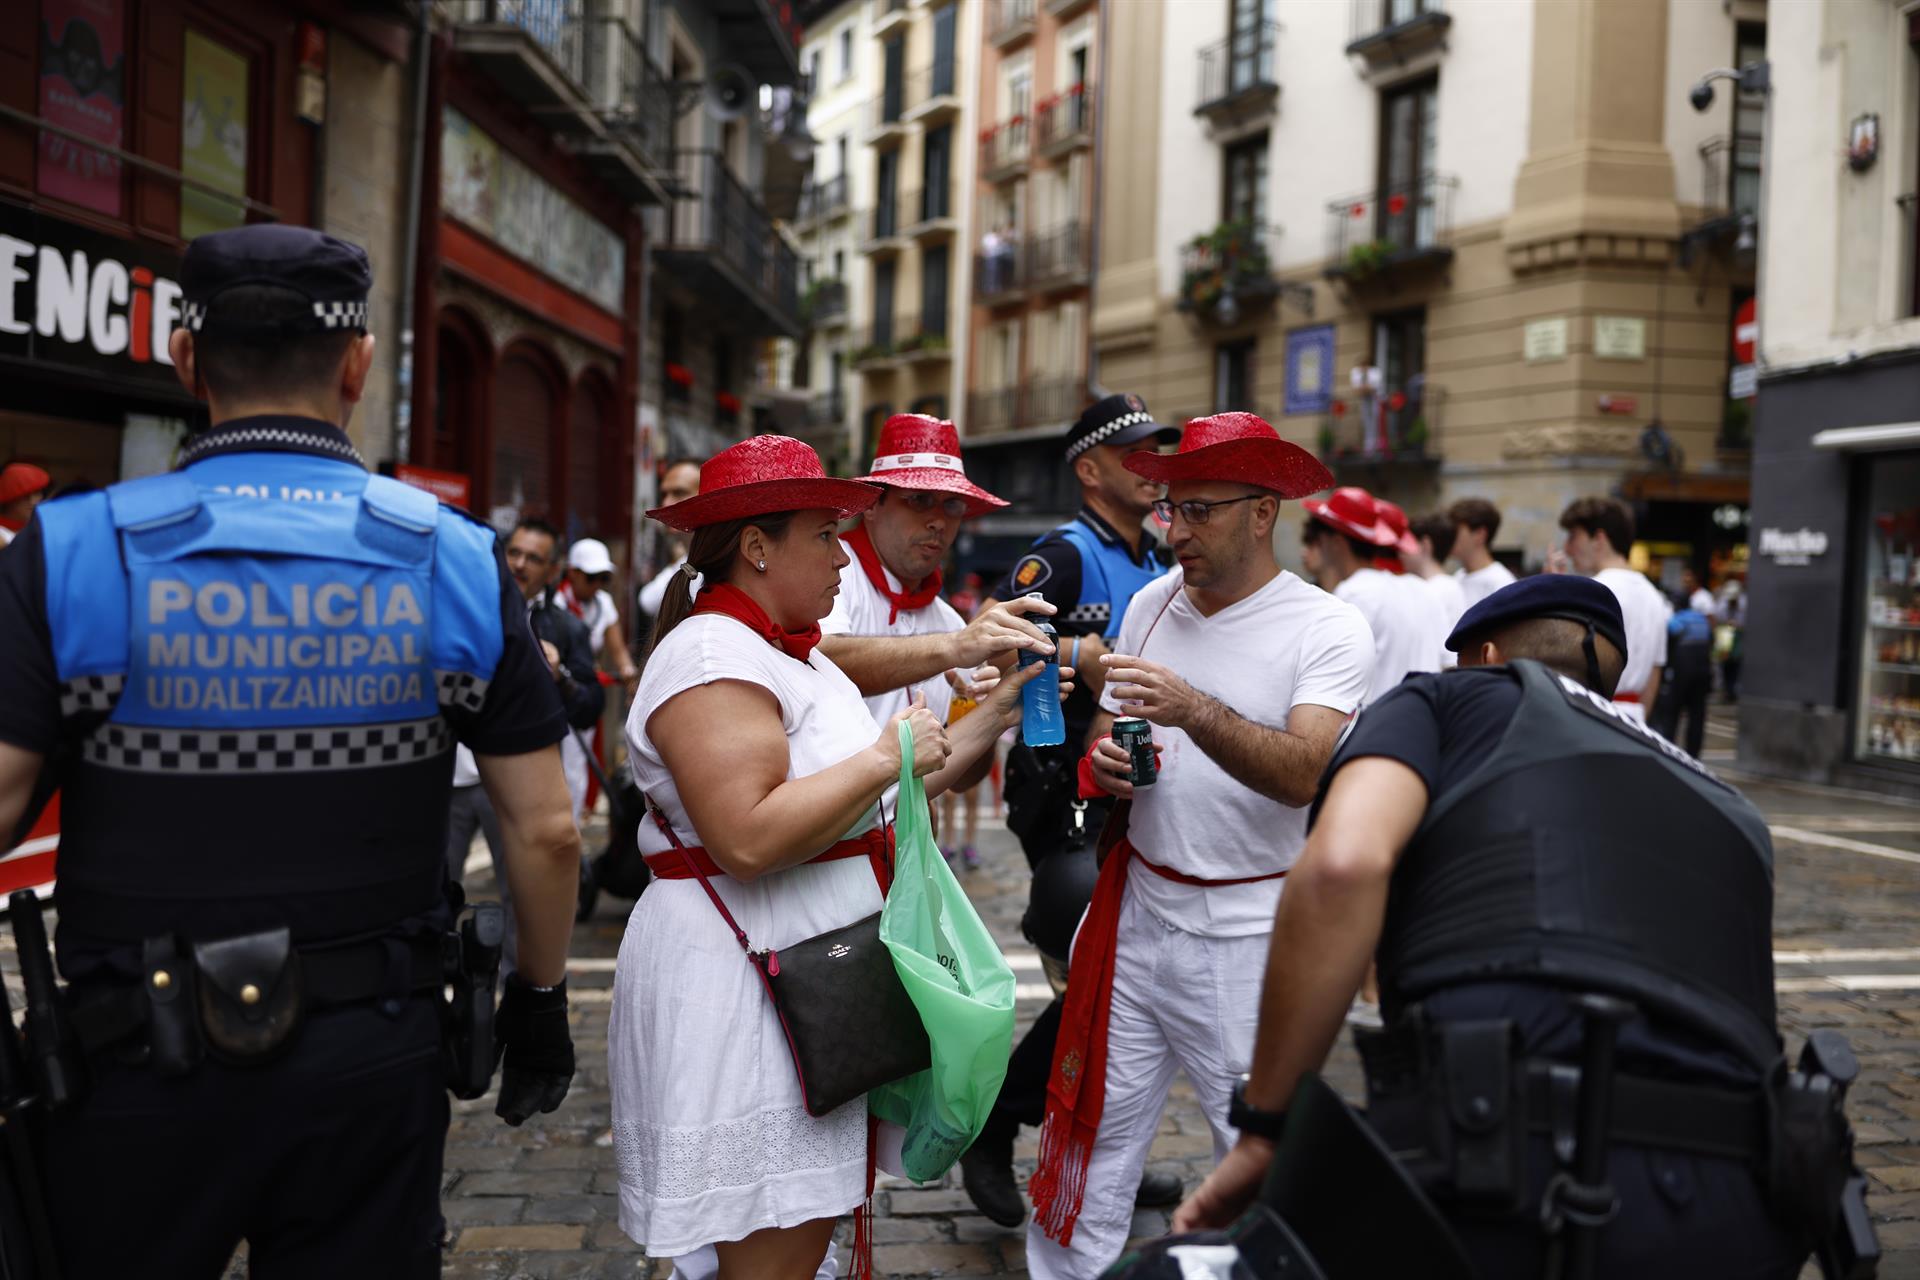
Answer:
(1746, 332)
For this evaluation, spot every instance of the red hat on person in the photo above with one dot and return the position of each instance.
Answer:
(1355, 513)
(762, 475)
(919, 451)
(1239, 447)
(1395, 517)
(18, 479)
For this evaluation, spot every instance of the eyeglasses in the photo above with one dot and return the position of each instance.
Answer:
(1193, 511)
(921, 500)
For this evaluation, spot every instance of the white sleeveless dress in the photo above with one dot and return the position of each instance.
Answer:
(713, 1140)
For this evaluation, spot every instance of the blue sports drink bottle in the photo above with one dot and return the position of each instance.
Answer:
(1041, 724)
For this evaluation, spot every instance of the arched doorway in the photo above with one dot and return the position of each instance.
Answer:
(458, 437)
(526, 419)
(591, 464)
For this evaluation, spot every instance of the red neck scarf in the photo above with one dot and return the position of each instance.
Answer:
(877, 574)
(724, 597)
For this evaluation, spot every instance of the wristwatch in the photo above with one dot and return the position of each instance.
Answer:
(1251, 1119)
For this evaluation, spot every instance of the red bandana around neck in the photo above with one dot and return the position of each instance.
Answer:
(724, 597)
(869, 559)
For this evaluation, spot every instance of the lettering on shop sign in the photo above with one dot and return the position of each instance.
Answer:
(1793, 547)
(74, 297)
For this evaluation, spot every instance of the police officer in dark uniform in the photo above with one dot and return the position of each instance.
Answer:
(247, 677)
(1088, 569)
(1571, 920)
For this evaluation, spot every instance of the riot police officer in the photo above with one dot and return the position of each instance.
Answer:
(1087, 569)
(247, 676)
(1571, 920)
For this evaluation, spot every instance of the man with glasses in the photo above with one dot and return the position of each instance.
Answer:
(890, 631)
(1247, 675)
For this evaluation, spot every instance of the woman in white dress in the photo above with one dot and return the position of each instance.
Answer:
(762, 757)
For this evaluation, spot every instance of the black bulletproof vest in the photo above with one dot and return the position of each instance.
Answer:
(1591, 854)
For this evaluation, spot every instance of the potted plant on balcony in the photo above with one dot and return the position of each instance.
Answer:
(1367, 258)
(728, 403)
(870, 351)
(1228, 258)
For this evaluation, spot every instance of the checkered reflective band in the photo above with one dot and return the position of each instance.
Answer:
(1100, 433)
(1091, 614)
(917, 462)
(460, 689)
(85, 694)
(223, 751)
(193, 315)
(341, 315)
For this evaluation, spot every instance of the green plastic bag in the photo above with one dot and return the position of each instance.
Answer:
(958, 980)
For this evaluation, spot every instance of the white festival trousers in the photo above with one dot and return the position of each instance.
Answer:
(1179, 1000)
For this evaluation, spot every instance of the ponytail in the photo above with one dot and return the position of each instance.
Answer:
(711, 555)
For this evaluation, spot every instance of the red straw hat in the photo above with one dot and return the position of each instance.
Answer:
(918, 451)
(1354, 513)
(18, 479)
(1241, 447)
(1395, 517)
(762, 475)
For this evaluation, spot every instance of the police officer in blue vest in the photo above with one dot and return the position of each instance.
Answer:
(1571, 922)
(247, 677)
(1088, 569)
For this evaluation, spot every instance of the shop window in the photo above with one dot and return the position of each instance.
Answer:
(215, 139)
(1887, 716)
(1233, 376)
(83, 88)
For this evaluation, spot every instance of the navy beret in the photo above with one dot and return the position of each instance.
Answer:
(1545, 595)
(332, 275)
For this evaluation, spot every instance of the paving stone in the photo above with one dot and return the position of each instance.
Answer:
(551, 1182)
(931, 1259)
(487, 1211)
(581, 1208)
(543, 1236)
(908, 1203)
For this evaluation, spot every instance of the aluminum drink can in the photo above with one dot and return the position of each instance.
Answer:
(1135, 736)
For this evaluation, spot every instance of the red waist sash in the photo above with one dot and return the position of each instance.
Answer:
(688, 862)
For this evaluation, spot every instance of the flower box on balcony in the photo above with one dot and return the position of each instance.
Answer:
(1231, 258)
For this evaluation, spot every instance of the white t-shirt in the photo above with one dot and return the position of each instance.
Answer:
(1285, 645)
(599, 613)
(1481, 583)
(860, 610)
(1646, 612)
(825, 718)
(1404, 616)
(6, 535)
(655, 591)
(1453, 602)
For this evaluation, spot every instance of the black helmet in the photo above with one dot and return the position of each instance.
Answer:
(1062, 888)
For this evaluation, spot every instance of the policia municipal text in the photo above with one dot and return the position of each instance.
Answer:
(255, 922)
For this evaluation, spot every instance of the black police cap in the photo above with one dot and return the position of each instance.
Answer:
(331, 275)
(1116, 419)
(1545, 595)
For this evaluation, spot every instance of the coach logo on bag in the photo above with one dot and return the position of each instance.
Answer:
(837, 950)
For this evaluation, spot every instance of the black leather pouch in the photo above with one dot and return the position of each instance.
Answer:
(1483, 1097)
(849, 1022)
(250, 995)
(173, 1015)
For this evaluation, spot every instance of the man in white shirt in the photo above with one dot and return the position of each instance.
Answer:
(1432, 544)
(680, 481)
(1345, 534)
(1246, 674)
(1599, 533)
(1698, 597)
(1476, 523)
(890, 631)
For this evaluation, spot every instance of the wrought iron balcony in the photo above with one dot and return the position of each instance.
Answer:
(1064, 122)
(1237, 81)
(929, 213)
(1004, 149)
(1009, 21)
(925, 342)
(827, 409)
(1399, 426)
(535, 50)
(1391, 233)
(1033, 402)
(883, 233)
(1388, 33)
(633, 150)
(721, 244)
(823, 304)
(1227, 273)
(824, 199)
(1060, 257)
(873, 347)
(933, 93)
(886, 114)
(1001, 273)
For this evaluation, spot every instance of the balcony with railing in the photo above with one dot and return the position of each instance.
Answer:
(890, 16)
(1001, 270)
(873, 348)
(823, 304)
(1227, 274)
(1034, 402)
(721, 243)
(824, 199)
(1387, 34)
(1399, 426)
(1005, 149)
(632, 151)
(1009, 21)
(1064, 9)
(924, 343)
(1060, 258)
(1064, 122)
(1237, 78)
(933, 93)
(886, 114)
(882, 231)
(929, 214)
(1393, 234)
(826, 409)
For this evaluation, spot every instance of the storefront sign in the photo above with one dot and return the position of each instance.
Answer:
(83, 87)
(1310, 369)
(1793, 547)
(1545, 340)
(455, 488)
(73, 297)
(1620, 337)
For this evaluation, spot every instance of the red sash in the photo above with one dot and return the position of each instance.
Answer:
(689, 862)
(1077, 1086)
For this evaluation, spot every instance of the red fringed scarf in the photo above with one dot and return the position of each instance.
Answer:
(877, 574)
(724, 597)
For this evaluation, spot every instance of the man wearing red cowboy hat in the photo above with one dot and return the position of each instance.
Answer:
(1345, 535)
(22, 486)
(1246, 674)
(889, 630)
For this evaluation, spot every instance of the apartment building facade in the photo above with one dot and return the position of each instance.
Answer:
(1461, 248)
